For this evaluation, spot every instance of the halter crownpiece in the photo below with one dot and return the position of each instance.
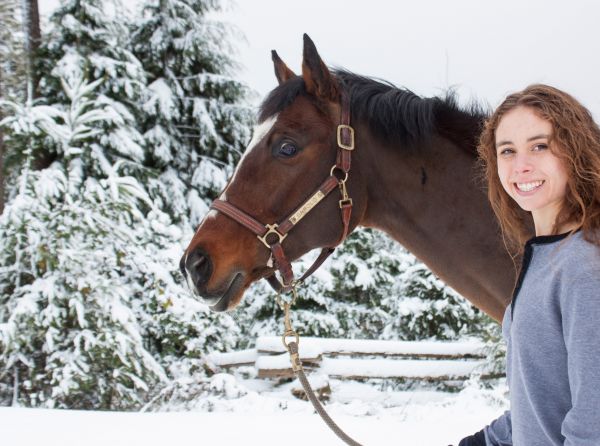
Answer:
(273, 235)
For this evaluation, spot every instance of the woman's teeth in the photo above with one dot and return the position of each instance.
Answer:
(527, 187)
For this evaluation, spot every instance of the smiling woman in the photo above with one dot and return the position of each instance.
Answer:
(534, 177)
(542, 134)
(541, 150)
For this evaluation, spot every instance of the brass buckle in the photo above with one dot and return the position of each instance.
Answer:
(345, 202)
(339, 137)
(289, 331)
(272, 229)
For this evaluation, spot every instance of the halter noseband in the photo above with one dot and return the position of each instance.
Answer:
(345, 142)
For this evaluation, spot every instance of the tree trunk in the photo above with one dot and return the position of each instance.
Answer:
(34, 37)
(1, 155)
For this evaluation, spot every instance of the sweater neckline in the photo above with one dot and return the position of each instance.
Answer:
(527, 253)
(544, 239)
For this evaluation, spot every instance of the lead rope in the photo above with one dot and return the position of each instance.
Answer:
(292, 348)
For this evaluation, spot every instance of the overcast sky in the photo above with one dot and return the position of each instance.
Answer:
(482, 48)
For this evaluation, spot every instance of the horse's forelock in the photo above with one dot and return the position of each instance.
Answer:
(281, 97)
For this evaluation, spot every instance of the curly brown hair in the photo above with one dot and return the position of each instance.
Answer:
(575, 140)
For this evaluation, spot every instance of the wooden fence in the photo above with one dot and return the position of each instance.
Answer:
(363, 359)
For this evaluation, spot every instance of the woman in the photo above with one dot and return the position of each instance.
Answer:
(541, 153)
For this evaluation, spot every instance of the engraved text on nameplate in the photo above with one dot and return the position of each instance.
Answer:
(311, 203)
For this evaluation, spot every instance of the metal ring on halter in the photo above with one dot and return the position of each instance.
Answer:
(272, 229)
(282, 303)
(336, 167)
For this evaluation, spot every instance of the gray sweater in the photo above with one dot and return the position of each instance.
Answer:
(552, 331)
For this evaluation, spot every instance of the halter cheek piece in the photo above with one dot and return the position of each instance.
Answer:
(273, 235)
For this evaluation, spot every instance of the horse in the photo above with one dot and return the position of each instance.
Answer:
(414, 175)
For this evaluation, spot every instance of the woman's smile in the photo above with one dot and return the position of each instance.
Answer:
(528, 188)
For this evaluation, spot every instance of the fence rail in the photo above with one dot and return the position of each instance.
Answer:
(363, 359)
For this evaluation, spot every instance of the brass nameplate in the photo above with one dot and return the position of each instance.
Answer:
(306, 207)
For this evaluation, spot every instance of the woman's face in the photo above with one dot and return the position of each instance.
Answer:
(529, 172)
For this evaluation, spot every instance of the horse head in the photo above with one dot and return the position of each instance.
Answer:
(295, 151)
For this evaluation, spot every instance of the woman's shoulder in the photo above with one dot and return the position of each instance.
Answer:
(578, 276)
(578, 256)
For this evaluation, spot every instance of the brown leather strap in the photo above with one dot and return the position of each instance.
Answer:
(239, 216)
(346, 209)
(345, 112)
(346, 136)
(274, 282)
(325, 253)
(325, 188)
(283, 265)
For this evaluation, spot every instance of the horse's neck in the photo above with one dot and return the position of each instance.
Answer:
(429, 201)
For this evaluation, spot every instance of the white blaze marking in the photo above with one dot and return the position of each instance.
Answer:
(260, 131)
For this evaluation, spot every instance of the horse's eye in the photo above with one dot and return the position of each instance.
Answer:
(287, 149)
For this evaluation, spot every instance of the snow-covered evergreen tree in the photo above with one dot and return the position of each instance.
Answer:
(85, 38)
(196, 124)
(92, 309)
(68, 334)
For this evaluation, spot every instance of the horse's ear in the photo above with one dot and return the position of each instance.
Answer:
(282, 72)
(317, 78)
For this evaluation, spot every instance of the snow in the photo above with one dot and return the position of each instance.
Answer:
(313, 347)
(239, 357)
(369, 415)
(162, 97)
(364, 276)
(409, 368)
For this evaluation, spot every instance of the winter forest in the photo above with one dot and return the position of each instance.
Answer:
(116, 132)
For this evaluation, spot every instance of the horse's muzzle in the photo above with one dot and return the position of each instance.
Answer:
(197, 268)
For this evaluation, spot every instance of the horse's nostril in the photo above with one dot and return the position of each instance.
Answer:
(198, 262)
(199, 267)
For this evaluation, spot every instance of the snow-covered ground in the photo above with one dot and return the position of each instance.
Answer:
(253, 412)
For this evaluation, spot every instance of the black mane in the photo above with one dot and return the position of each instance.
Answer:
(393, 114)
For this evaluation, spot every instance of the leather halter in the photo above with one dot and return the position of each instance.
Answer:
(272, 235)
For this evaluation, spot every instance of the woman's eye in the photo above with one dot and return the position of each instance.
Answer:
(287, 149)
(506, 152)
(539, 147)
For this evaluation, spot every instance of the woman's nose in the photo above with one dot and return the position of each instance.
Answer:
(523, 163)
